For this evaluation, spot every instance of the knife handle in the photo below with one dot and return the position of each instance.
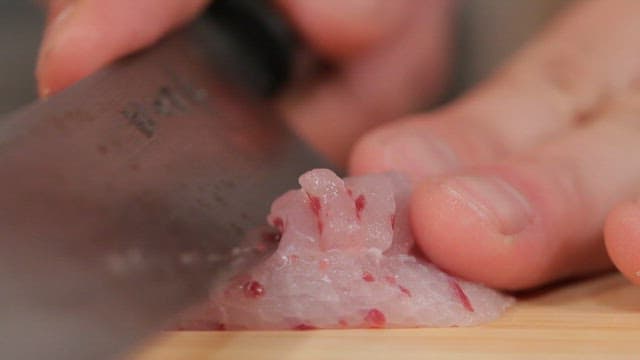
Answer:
(262, 41)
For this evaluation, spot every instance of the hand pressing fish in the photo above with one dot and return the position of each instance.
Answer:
(343, 257)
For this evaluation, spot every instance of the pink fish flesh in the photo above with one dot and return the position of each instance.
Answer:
(343, 257)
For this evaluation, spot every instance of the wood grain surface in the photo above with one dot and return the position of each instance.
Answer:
(592, 319)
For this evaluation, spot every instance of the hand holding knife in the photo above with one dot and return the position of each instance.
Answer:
(122, 195)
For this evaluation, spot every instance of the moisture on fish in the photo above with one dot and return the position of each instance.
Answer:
(343, 257)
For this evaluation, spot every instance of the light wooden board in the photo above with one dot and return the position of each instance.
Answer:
(593, 319)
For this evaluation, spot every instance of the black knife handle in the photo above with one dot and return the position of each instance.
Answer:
(261, 39)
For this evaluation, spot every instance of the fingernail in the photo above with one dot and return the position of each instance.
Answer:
(493, 199)
(53, 35)
(419, 156)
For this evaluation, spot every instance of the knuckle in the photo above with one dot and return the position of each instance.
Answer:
(567, 75)
(563, 79)
(569, 78)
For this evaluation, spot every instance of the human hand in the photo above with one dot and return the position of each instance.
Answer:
(538, 163)
(389, 56)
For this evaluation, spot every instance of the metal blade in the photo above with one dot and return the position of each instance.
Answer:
(120, 197)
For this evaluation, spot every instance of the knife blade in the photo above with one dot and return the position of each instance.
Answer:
(122, 197)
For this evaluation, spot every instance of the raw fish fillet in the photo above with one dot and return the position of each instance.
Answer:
(343, 257)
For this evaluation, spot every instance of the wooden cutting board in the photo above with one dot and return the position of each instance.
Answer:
(594, 319)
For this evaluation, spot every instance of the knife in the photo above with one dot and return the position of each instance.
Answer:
(122, 197)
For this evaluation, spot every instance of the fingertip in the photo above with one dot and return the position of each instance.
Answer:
(464, 241)
(68, 58)
(59, 67)
(622, 239)
(59, 19)
(368, 154)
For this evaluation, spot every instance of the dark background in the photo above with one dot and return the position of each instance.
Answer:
(20, 32)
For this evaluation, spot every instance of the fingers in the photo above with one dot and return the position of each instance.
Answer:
(538, 216)
(340, 29)
(545, 91)
(622, 238)
(405, 66)
(382, 57)
(83, 36)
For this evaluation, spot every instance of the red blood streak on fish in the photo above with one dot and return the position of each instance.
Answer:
(221, 327)
(279, 224)
(375, 318)
(368, 277)
(360, 201)
(253, 289)
(303, 327)
(390, 279)
(404, 290)
(393, 221)
(350, 193)
(461, 295)
(343, 323)
(314, 202)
